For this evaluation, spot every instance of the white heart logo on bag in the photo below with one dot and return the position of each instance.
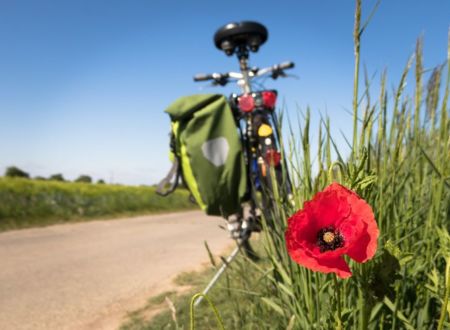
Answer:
(216, 150)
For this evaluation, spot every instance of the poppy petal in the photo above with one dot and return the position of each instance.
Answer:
(351, 229)
(325, 265)
(300, 227)
(327, 208)
(366, 245)
(340, 189)
(336, 265)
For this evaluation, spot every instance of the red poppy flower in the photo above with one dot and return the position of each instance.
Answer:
(335, 222)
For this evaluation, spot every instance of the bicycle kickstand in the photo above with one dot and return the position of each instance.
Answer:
(218, 274)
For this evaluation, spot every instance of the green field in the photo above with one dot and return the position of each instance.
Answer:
(28, 203)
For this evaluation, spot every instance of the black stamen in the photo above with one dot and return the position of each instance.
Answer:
(326, 245)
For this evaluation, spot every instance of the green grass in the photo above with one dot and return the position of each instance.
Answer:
(29, 203)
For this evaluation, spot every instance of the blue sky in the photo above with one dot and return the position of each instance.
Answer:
(83, 84)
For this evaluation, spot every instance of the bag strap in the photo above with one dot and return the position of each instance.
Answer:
(174, 171)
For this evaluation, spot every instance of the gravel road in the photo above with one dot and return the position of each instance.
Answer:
(88, 275)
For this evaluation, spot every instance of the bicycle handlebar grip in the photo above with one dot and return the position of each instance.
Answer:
(286, 65)
(203, 77)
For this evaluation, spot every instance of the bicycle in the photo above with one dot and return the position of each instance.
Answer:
(256, 119)
(254, 112)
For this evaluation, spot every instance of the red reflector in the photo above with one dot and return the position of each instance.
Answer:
(273, 157)
(269, 99)
(246, 103)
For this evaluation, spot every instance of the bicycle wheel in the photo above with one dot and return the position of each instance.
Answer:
(248, 250)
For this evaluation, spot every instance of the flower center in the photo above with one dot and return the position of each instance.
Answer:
(329, 239)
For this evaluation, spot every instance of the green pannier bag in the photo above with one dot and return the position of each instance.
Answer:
(207, 153)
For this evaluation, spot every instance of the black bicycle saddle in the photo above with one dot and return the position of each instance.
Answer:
(246, 34)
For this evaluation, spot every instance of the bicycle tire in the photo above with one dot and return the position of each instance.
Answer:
(248, 250)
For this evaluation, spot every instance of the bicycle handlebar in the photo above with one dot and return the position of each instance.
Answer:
(286, 65)
(203, 77)
(222, 78)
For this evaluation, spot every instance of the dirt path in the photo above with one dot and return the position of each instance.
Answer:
(88, 275)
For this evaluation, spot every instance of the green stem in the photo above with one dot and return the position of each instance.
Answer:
(337, 289)
(317, 298)
(331, 172)
(446, 294)
(311, 308)
(364, 313)
(216, 313)
(397, 299)
(365, 305)
(356, 40)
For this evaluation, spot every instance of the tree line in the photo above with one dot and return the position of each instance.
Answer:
(15, 172)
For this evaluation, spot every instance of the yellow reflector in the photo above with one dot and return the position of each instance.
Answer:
(265, 130)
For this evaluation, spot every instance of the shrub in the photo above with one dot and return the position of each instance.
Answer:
(84, 179)
(15, 172)
(57, 177)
